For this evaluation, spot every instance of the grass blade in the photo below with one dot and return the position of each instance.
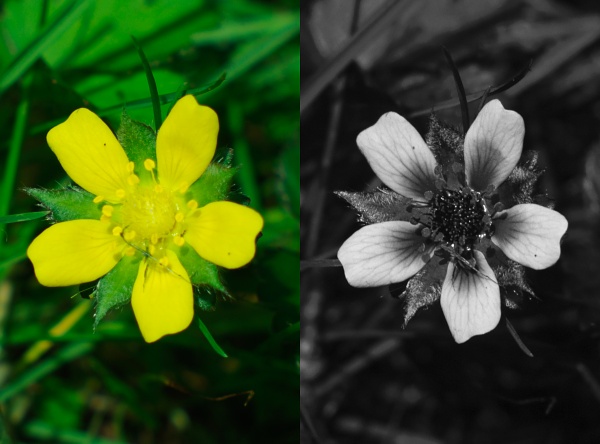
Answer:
(210, 339)
(62, 356)
(23, 217)
(151, 84)
(47, 36)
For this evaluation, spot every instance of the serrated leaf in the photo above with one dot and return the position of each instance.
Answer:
(213, 185)
(424, 288)
(67, 204)
(377, 206)
(137, 139)
(200, 271)
(114, 289)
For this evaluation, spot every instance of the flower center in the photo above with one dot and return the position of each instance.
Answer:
(149, 212)
(460, 216)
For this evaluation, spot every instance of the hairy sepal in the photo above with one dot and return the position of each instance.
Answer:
(66, 204)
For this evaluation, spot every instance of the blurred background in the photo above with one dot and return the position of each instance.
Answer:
(365, 379)
(60, 382)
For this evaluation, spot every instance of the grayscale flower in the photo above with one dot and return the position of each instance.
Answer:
(455, 220)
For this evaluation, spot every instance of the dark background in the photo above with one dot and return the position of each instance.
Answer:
(364, 379)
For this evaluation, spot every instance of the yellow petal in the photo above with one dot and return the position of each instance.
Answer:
(162, 298)
(224, 233)
(186, 143)
(90, 154)
(74, 252)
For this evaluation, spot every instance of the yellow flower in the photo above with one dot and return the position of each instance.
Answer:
(147, 213)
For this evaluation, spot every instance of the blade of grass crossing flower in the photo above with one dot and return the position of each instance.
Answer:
(151, 84)
(14, 149)
(462, 96)
(210, 339)
(21, 63)
(23, 217)
(242, 157)
(136, 104)
(62, 356)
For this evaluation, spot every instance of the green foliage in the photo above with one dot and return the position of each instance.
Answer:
(137, 139)
(67, 204)
(79, 54)
(114, 289)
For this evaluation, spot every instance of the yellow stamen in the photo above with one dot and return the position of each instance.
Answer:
(117, 231)
(154, 238)
(192, 204)
(120, 193)
(164, 261)
(104, 218)
(130, 167)
(151, 249)
(107, 210)
(133, 179)
(98, 199)
(179, 216)
(130, 251)
(149, 164)
(158, 188)
(183, 189)
(129, 235)
(179, 241)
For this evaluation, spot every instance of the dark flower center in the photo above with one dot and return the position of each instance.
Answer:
(461, 216)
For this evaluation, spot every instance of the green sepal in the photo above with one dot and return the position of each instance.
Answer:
(213, 185)
(137, 139)
(67, 204)
(204, 277)
(114, 289)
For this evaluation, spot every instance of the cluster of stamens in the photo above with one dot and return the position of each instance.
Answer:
(457, 219)
(147, 217)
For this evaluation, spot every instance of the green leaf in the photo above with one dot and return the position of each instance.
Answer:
(137, 139)
(210, 339)
(114, 289)
(200, 271)
(23, 217)
(67, 204)
(213, 185)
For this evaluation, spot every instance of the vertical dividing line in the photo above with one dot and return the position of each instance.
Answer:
(14, 149)
(242, 157)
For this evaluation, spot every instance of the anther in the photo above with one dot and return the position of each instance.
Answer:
(149, 164)
(179, 241)
(130, 251)
(158, 188)
(133, 179)
(164, 261)
(130, 167)
(151, 249)
(192, 204)
(107, 210)
(117, 231)
(428, 195)
(98, 199)
(120, 193)
(179, 216)
(154, 238)
(426, 232)
(129, 235)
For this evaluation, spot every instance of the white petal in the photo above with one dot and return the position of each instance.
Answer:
(493, 146)
(530, 235)
(399, 156)
(382, 254)
(470, 301)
